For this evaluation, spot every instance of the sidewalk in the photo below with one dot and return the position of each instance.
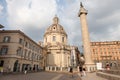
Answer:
(92, 76)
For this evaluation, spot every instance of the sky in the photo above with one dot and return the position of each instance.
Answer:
(33, 17)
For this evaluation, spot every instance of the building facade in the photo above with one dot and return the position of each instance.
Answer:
(106, 51)
(58, 51)
(18, 52)
(59, 55)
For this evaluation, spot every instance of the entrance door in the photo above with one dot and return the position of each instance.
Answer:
(15, 69)
(1, 63)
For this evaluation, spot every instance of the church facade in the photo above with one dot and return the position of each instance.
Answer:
(58, 51)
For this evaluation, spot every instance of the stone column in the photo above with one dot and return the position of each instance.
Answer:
(50, 68)
(55, 68)
(85, 38)
(60, 68)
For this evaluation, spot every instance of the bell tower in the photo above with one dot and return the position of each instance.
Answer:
(90, 65)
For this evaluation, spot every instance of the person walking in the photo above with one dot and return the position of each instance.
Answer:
(25, 70)
(84, 71)
(71, 71)
(81, 71)
(1, 70)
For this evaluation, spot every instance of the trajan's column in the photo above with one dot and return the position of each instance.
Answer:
(90, 65)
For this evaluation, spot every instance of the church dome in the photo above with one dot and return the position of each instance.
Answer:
(55, 27)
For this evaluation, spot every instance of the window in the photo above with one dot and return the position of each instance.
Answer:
(37, 57)
(25, 54)
(46, 39)
(4, 50)
(6, 39)
(21, 41)
(54, 27)
(26, 44)
(62, 39)
(19, 51)
(29, 45)
(54, 38)
(29, 54)
(32, 56)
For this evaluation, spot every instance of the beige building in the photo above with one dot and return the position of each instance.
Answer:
(18, 52)
(59, 55)
(58, 51)
(105, 51)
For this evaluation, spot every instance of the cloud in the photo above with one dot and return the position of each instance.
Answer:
(1, 8)
(30, 16)
(34, 16)
(102, 17)
(103, 20)
(70, 21)
(30, 13)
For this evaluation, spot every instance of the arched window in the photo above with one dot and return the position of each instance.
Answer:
(62, 39)
(54, 38)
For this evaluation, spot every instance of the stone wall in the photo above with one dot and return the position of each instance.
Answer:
(115, 72)
(108, 76)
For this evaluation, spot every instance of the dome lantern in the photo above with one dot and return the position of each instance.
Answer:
(55, 20)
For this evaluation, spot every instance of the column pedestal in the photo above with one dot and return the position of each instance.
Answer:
(90, 67)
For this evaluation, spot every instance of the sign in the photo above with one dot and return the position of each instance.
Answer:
(99, 66)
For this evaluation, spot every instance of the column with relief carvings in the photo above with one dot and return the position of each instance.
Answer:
(85, 38)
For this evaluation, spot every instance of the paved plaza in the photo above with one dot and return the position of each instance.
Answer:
(30, 76)
(49, 76)
(92, 76)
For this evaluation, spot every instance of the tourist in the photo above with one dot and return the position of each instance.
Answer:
(71, 71)
(84, 71)
(25, 70)
(1, 70)
(81, 69)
